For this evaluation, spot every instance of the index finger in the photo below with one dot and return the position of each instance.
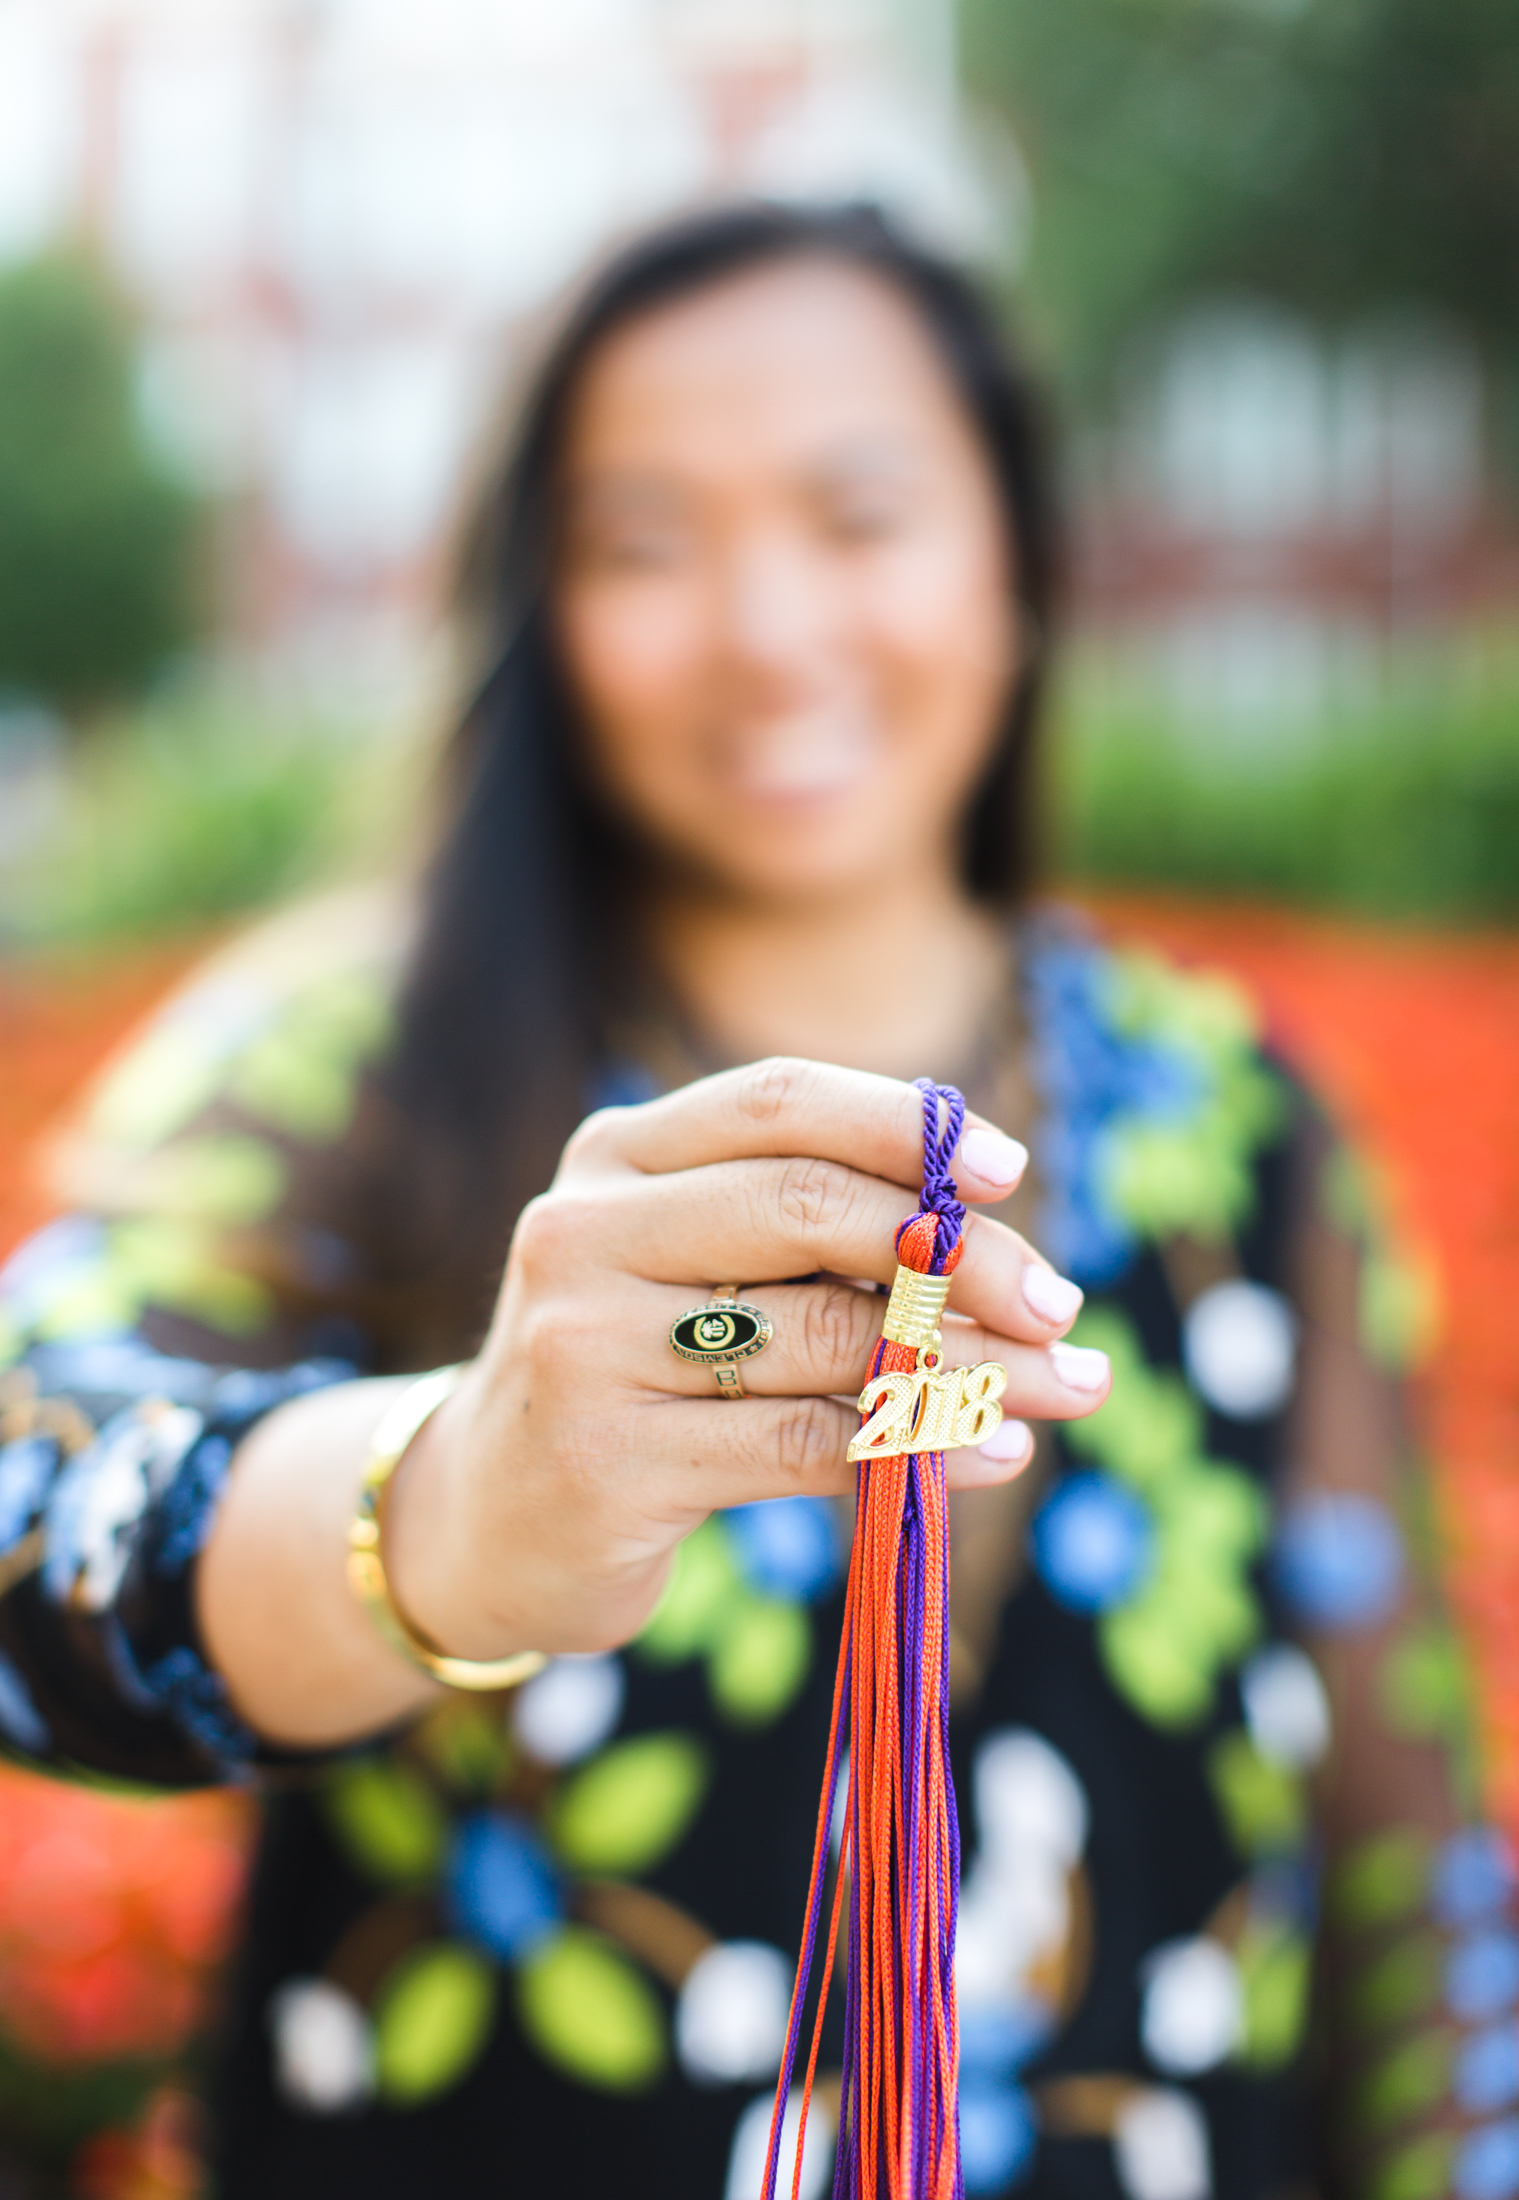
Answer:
(788, 1107)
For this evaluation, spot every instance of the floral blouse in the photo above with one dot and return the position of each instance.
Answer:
(1232, 1924)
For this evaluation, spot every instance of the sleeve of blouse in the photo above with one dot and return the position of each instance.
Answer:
(1419, 1956)
(190, 1292)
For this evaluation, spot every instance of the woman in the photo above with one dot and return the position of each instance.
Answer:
(766, 589)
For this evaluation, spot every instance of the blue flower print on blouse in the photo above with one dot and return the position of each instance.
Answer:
(98, 1501)
(1339, 1561)
(1482, 1975)
(1487, 2163)
(1473, 1877)
(189, 1506)
(1090, 1073)
(20, 1720)
(26, 1469)
(1486, 2075)
(200, 1705)
(1156, 1102)
(997, 2129)
(502, 1887)
(57, 1263)
(1093, 1542)
(787, 1546)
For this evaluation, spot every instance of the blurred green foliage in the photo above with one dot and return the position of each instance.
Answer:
(1409, 809)
(192, 809)
(203, 808)
(1337, 155)
(96, 539)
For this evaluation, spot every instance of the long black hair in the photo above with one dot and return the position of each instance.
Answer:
(518, 957)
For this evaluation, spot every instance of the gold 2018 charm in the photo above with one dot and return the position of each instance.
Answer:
(932, 1409)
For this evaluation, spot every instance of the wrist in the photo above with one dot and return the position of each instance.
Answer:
(485, 1558)
(432, 1572)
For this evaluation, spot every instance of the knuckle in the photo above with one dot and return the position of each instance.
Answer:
(812, 1196)
(807, 1439)
(542, 1340)
(535, 1239)
(591, 1139)
(550, 1230)
(836, 1324)
(769, 1090)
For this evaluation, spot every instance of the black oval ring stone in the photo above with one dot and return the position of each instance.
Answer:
(718, 1335)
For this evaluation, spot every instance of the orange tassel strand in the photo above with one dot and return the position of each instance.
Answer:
(899, 1862)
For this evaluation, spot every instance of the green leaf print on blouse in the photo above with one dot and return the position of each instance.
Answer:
(1192, 1171)
(513, 1823)
(1382, 1881)
(389, 1819)
(1263, 1803)
(1398, 1295)
(104, 1287)
(432, 2019)
(1176, 1608)
(301, 1074)
(736, 1596)
(1424, 1691)
(1275, 1960)
(286, 1049)
(628, 1807)
(587, 2009)
(1405, 2083)
(228, 1178)
(282, 1046)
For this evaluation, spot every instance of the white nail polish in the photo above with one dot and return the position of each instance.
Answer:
(1052, 1298)
(1010, 1440)
(1078, 1367)
(993, 1158)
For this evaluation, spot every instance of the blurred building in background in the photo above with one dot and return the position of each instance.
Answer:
(1271, 508)
(336, 217)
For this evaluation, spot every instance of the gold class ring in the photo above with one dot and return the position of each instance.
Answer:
(720, 1334)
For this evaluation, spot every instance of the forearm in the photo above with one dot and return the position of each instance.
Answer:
(302, 1659)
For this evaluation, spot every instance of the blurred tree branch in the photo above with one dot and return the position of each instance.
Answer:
(1337, 155)
(96, 537)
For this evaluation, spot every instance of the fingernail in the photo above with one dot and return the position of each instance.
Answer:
(1051, 1297)
(1010, 1440)
(1078, 1366)
(995, 1159)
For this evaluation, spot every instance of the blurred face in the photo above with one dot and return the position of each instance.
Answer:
(784, 597)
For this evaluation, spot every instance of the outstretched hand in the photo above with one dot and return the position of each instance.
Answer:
(543, 1503)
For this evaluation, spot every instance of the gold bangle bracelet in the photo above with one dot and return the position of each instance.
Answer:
(398, 1425)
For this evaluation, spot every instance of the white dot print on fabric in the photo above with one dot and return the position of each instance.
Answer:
(1009, 1918)
(751, 2140)
(1015, 1906)
(1160, 2147)
(730, 2020)
(1286, 1708)
(323, 2048)
(1193, 2005)
(569, 1708)
(1028, 1798)
(1239, 1343)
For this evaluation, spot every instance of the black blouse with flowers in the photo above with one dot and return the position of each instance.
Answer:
(1231, 1924)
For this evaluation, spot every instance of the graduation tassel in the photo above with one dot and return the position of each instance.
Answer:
(899, 1861)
